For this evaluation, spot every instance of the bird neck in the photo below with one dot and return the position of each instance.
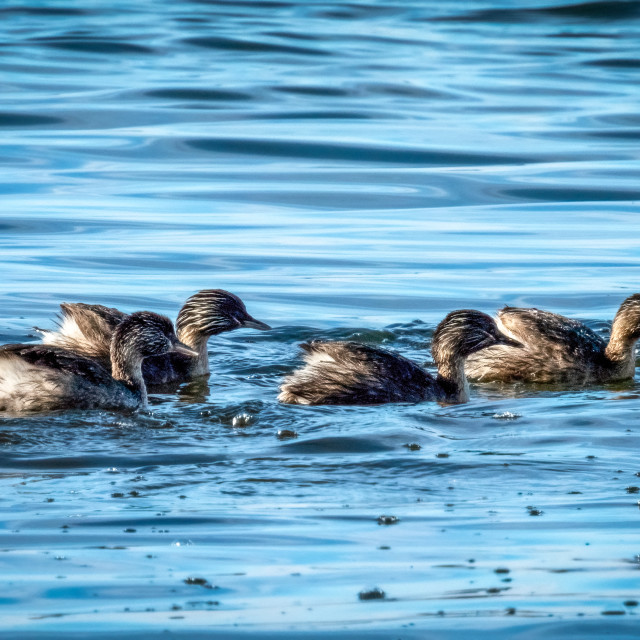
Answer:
(127, 368)
(197, 340)
(621, 347)
(452, 379)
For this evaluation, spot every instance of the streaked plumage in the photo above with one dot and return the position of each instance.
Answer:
(87, 329)
(37, 377)
(352, 373)
(560, 350)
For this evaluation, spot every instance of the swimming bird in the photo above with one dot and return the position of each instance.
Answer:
(87, 329)
(560, 350)
(352, 373)
(37, 377)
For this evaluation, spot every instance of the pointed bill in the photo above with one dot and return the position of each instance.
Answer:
(510, 342)
(180, 347)
(251, 323)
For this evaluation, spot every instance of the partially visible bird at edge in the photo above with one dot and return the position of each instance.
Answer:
(37, 377)
(560, 350)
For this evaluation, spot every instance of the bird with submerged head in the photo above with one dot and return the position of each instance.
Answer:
(560, 350)
(37, 377)
(87, 329)
(352, 373)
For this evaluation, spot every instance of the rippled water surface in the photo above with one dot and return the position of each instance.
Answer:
(351, 170)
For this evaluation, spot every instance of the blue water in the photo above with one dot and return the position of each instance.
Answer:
(351, 170)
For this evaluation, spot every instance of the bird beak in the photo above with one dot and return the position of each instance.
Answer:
(510, 342)
(251, 323)
(180, 347)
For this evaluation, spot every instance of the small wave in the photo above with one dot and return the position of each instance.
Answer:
(199, 95)
(338, 445)
(8, 119)
(351, 153)
(248, 46)
(94, 45)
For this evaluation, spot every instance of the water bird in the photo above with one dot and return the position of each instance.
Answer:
(87, 330)
(352, 373)
(560, 350)
(38, 377)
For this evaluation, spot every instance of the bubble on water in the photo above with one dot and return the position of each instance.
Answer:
(182, 543)
(241, 420)
(506, 415)
(286, 434)
(200, 582)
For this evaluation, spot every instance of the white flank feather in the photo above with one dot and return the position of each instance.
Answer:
(23, 386)
(68, 331)
(317, 357)
(504, 329)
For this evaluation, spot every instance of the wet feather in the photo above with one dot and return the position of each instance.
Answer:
(87, 330)
(40, 377)
(352, 373)
(560, 350)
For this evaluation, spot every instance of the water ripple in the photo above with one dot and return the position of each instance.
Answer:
(93, 45)
(350, 153)
(251, 46)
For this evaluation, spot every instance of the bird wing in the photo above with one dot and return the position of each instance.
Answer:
(85, 329)
(36, 377)
(58, 359)
(352, 373)
(542, 330)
